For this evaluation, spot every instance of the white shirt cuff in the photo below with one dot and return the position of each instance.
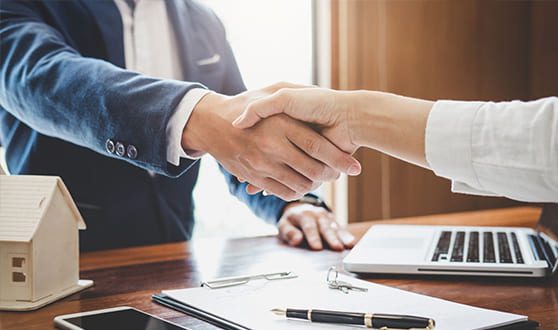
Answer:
(448, 143)
(176, 125)
(463, 188)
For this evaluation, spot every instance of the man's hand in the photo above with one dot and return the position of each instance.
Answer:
(281, 155)
(317, 225)
(329, 110)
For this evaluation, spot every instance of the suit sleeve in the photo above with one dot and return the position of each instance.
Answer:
(50, 87)
(269, 208)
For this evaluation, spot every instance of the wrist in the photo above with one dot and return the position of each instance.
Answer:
(370, 117)
(358, 113)
(194, 134)
(309, 200)
(290, 205)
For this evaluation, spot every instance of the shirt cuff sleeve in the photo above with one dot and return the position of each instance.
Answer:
(448, 143)
(176, 125)
(463, 188)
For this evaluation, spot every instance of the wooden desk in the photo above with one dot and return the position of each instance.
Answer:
(130, 276)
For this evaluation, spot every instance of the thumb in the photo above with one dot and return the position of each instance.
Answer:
(260, 109)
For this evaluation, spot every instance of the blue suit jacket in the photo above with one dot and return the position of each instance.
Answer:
(64, 93)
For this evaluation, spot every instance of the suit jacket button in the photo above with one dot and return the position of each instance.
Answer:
(109, 145)
(120, 149)
(132, 152)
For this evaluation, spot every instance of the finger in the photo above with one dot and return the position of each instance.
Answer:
(284, 84)
(295, 102)
(289, 233)
(276, 188)
(328, 229)
(268, 183)
(278, 102)
(291, 178)
(282, 173)
(310, 229)
(252, 190)
(320, 148)
(258, 110)
(238, 170)
(347, 238)
(310, 168)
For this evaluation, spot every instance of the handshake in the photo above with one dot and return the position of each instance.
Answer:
(284, 139)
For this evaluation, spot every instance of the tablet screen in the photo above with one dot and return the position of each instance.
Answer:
(126, 319)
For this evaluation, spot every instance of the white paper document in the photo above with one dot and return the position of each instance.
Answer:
(250, 304)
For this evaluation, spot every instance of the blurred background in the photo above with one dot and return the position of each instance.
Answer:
(469, 50)
(272, 41)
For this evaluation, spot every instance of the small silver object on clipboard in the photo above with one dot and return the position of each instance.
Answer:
(226, 282)
(335, 284)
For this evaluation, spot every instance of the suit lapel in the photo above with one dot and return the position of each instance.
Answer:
(182, 22)
(106, 15)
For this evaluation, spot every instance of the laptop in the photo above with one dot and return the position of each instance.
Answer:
(459, 250)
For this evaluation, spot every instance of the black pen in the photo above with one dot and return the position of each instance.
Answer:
(369, 320)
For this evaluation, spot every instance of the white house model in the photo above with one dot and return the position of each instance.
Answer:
(39, 242)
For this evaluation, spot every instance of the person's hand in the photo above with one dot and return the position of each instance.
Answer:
(281, 155)
(329, 110)
(386, 122)
(314, 224)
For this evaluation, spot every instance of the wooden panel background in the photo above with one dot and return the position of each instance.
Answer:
(467, 50)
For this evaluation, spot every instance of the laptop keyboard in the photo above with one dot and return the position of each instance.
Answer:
(504, 249)
(442, 248)
(458, 247)
(516, 249)
(473, 255)
(475, 247)
(488, 255)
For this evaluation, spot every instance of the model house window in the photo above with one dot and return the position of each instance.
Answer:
(18, 277)
(18, 262)
(272, 41)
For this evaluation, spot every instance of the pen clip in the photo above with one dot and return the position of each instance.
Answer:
(226, 282)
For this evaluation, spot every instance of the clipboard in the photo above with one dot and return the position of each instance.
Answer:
(206, 316)
(243, 305)
(523, 325)
(219, 283)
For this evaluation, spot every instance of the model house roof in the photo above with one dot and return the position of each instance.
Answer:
(24, 200)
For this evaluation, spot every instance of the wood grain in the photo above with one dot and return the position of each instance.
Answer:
(467, 50)
(130, 276)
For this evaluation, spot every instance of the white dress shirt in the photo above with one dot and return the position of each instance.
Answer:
(505, 149)
(150, 48)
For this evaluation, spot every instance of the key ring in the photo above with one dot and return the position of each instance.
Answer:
(332, 270)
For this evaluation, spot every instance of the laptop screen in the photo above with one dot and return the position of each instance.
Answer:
(548, 225)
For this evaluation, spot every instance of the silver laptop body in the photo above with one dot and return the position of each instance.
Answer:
(459, 250)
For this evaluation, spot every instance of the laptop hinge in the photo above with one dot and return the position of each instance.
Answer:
(548, 219)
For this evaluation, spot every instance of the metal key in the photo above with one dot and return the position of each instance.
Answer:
(345, 287)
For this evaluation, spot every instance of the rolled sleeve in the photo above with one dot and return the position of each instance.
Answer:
(176, 125)
(449, 145)
(463, 188)
(496, 148)
(448, 140)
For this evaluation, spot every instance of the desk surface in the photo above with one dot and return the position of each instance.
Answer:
(130, 276)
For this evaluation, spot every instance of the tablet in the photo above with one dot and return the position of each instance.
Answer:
(122, 318)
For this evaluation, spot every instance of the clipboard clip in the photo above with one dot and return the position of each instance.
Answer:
(226, 282)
